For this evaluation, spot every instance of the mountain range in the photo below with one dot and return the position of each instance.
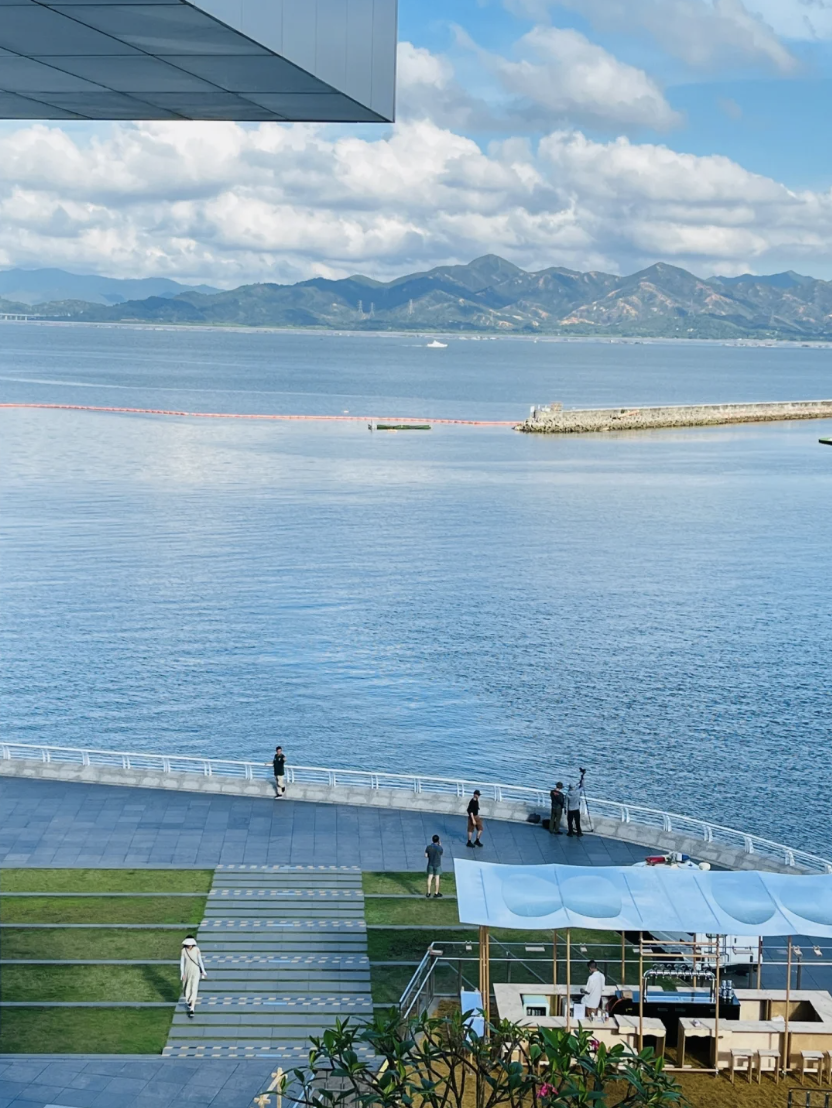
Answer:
(40, 286)
(487, 295)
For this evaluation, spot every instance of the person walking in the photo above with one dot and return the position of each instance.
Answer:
(191, 971)
(279, 767)
(573, 810)
(558, 803)
(474, 819)
(433, 853)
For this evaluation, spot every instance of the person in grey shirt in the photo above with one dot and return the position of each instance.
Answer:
(433, 853)
(573, 810)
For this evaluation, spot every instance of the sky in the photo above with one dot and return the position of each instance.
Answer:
(590, 134)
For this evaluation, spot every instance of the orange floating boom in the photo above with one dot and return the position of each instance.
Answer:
(259, 415)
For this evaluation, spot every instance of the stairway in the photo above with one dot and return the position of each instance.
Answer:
(285, 949)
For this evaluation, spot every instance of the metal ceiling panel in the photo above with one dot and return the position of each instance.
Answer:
(316, 60)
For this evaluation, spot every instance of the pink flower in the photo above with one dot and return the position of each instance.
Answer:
(594, 1044)
(546, 1090)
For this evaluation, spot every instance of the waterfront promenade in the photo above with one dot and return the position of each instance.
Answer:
(56, 823)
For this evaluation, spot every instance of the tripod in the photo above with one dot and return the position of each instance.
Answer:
(582, 792)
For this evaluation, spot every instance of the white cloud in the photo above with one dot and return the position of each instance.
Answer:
(705, 34)
(796, 19)
(227, 203)
(559, 74)
(427, 89)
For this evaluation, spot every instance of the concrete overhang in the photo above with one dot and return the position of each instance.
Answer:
(299, 60)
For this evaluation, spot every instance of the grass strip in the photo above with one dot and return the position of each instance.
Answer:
(56, 943)
(411, 912)
(402, 882)
(187, 911)
(389, 982)
(81, 1030)
(76, 983)
(105, 880)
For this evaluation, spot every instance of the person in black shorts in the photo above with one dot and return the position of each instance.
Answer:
(279, 767)
(433, 853)
(474, 820)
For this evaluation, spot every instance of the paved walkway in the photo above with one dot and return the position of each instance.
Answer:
(54, 823)
(138, 1081)
(285, 950)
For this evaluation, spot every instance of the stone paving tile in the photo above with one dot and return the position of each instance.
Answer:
(73, 824)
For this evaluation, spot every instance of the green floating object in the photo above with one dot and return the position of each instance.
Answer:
(402, 426)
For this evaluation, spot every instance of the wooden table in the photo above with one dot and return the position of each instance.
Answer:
(628, 1027)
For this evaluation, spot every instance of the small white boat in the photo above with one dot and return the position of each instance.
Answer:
(436, 345)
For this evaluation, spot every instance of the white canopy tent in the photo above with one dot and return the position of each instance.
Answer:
(651, 898)
(642, 899)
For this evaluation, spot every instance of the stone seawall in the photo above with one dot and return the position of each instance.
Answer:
(554, 419)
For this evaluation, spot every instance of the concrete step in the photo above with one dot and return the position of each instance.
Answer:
(283, 909)
(285, 1055)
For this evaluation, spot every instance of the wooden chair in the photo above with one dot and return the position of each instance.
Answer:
(811, 1062)
(775, 1069)
(742, 1057)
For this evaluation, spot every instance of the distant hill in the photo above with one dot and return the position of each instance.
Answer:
(36, 286)
(491, 294)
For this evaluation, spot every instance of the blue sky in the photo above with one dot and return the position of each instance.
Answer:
(593, 134)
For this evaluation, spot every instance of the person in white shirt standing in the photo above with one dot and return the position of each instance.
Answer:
(593, 990)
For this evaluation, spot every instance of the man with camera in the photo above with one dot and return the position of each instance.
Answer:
(573, 806)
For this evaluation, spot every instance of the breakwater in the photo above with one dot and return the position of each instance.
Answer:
(554, 419)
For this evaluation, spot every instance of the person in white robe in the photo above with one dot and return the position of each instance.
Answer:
(191, 971)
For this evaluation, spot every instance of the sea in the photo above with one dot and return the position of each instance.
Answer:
(466, 601)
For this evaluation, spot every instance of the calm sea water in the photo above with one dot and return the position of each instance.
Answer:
(464, 601)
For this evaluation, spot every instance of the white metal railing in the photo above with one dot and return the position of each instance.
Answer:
(533, 799)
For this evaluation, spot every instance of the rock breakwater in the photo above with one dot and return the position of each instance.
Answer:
(554, 419)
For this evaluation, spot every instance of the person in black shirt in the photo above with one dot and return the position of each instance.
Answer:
(558, 804)
(433, 853)
(474, 821)
(279, 767)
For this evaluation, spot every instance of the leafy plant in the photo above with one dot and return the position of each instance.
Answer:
(440, 1062)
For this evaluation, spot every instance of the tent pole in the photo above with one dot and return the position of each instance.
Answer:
(717, 948)
(555, 959)
(695, 978)
(485, 976)
(640, 991)
(568, 977)
(623, 959)
(786, 1044)
(760, 962)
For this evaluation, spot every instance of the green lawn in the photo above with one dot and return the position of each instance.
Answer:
(405, 883)
(105, 880)
(81, 1030)
(37, 909)
(389, 982)
(56, 943)
(433, 912)
(76, 983)
(395, 946)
